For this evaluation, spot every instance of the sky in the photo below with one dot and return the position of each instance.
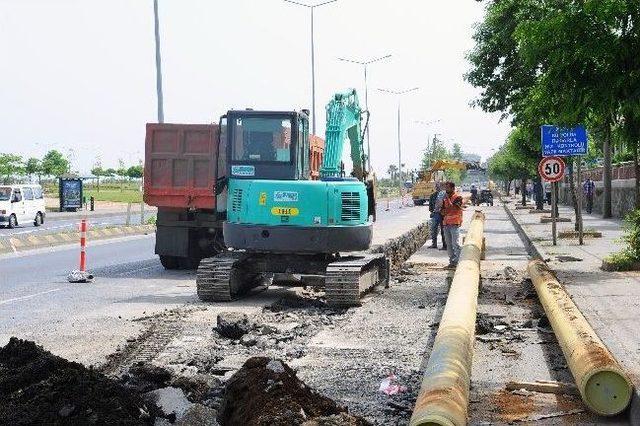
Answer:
(79, 75)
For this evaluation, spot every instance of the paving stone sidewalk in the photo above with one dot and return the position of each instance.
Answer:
(609, 300)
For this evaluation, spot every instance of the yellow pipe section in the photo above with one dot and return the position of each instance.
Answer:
(444, 394)
(604, 387)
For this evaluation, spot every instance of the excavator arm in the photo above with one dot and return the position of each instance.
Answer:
(344, 121)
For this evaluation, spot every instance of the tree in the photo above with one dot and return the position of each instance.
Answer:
(10, 165)
(54, 164)
(393, 172)
(33, 166)
(134, 172)
(98, 171)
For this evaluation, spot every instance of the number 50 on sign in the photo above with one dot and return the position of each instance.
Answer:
(551, 169)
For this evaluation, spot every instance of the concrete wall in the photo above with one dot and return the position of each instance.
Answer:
(622, 196)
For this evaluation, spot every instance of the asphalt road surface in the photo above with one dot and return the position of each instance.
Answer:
(62, 225)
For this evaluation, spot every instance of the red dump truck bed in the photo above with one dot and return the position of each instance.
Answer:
(180, 165)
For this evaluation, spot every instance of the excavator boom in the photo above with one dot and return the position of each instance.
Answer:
(344, 121)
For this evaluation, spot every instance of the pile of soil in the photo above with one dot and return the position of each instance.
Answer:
(37, 387)
(267, 392)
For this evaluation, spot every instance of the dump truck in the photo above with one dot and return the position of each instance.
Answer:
(185, 178)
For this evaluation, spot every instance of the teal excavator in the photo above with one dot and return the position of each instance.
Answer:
(283, 227)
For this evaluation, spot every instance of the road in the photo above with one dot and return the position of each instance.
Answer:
(62, 225)
(37, 302)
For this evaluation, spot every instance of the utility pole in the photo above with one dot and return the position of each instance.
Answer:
(158, 64)
(399, 94)
(311, 7)
(428, 124)
(365, 65)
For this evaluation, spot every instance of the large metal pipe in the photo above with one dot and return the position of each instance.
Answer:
(604, 387)
(444, 394)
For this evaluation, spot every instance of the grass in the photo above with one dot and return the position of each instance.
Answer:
(621, 261)
(115, 195)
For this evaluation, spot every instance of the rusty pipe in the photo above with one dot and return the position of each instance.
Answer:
(444, 394)
(604, 387)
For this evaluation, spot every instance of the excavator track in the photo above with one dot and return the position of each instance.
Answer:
(214, 278)
(347, 279)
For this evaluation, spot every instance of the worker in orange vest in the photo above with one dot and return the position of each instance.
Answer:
(452, 209)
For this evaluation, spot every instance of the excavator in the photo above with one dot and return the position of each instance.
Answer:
(426, 183)
(283, 227)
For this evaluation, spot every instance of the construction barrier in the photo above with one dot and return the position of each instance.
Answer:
(603, 386)
(444, 394)
(83, 245)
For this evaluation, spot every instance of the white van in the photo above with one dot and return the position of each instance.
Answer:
(21, 204)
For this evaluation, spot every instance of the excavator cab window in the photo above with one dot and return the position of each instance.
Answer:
(263, 145)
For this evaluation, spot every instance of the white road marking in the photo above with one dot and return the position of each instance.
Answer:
(2, 302)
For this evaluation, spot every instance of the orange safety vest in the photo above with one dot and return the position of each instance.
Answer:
(452, 214)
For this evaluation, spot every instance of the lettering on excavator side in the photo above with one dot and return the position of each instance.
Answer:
(285, 196)
(263, 199)
(285, 211)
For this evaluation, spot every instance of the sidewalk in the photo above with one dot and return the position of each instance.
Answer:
(609, 300)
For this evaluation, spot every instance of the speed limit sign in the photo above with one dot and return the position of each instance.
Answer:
(551, 169)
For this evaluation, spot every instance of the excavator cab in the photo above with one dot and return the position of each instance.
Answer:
(267, 145)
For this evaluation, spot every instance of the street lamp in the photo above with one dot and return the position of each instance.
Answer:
(399, 94)
(366, 94)
(313, 59)
(158, 64)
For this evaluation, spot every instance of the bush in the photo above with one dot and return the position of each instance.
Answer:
(629, 258)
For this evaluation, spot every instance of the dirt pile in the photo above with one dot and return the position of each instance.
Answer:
(267, 392)
(37, 387)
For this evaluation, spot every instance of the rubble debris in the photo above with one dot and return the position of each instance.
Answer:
(232, 325)
(486, 324)
(341, 419)
(390, 386)
(37, 387)
(267, 392)
(172, 401)
(558, 388)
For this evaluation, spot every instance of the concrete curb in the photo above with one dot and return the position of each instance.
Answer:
(403, 247)
(55, 216)
(634, 410)
(30, 242)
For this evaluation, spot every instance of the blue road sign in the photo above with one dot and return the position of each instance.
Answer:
(563, 142)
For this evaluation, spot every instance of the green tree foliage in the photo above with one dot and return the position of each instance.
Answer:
(10, 166)
(135, 172)
(32, 167)
(54, 164)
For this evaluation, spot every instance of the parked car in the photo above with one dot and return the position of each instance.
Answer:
(21, 204)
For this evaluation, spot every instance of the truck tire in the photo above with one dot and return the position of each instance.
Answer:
(13, 222)
(170, 262)
(419, 202)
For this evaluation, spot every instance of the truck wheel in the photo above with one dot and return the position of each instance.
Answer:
(419, 202)
(13, 221)
(38, 220)
(170, 262)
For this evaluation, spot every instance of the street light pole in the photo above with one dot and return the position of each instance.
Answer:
(313, 59)
(158, 64)
(365, 65)
(399, 95)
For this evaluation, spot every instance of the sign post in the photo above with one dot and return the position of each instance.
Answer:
(563, 142)
(551, 169)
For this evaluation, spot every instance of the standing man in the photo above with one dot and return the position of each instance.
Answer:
(474, 195)
(589, 190)
(435, 207)
(452, 220)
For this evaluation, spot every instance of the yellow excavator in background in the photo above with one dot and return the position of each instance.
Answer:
(426, 183)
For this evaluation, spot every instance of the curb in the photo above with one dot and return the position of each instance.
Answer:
(74, 215)
(634, 410)
(403, 247)
(24, 243)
